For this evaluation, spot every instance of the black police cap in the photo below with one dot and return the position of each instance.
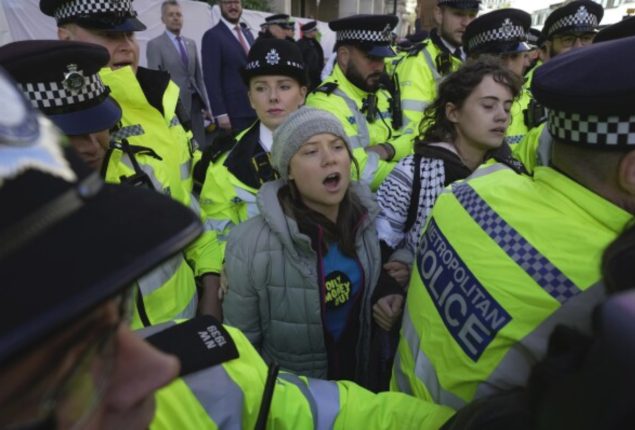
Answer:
(461, 4)
(498, 32)
(107, 15)
(372, 33)
(271, 56)
(619, 30)
(281, 19)
(580, 16)
(589, 94)
(309, 26)
(534, 37)
(61, 79)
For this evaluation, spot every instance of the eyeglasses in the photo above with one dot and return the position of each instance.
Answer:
(568, 40)
(82, 384)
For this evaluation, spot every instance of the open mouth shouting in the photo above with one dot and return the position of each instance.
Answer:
(332, 182)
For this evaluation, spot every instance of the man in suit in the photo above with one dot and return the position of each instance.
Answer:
(224, 54)
(178, 56)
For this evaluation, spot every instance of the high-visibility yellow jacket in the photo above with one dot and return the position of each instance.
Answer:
(348, 103)
(228, 193)
(419, 78)
(229, 395)
(503, 259)
(161, 149)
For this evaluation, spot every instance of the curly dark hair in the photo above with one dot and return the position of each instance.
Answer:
(455, 89)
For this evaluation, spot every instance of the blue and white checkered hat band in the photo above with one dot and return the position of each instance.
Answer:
(75, 8)
(46, 95)
(582, 18)
(372, 36)
(507, 32)
(592, 130)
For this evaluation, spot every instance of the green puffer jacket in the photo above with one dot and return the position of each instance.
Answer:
(273, 285)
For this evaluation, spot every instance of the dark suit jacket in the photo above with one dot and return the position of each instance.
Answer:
(163, 55)
(223, 57)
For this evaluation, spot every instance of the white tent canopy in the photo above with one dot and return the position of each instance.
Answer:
(22, 20)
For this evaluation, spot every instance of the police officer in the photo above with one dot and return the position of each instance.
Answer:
(67, 356)
(231, 171)
(571, 26)
(61, 80)
(353, 94)
(506, 257)
(150, 103)
(503, 33)
(421, 70)
(279, 26)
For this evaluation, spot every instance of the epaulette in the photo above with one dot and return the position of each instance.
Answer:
(199, 343)
(416, 48)
(220, 145)
(327, 88)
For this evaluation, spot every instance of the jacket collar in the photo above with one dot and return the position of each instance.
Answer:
(286, 227)
(248, 161)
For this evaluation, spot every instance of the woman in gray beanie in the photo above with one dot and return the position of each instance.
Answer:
(304, 274)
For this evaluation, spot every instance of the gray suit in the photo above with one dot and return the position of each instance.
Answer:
(163, 55)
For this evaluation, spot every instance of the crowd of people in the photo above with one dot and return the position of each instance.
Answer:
(437, 234)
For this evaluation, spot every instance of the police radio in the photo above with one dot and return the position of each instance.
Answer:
(369, 105)
(392, 86)
(535, 114)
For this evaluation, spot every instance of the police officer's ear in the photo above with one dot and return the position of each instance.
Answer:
(343, 57)
(303, 91)
(452, 112)
(626, 173)
(66, 32)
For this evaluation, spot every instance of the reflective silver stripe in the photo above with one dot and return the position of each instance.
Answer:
(356, 142)
(536, 265)
(154, 329)
(219, 395)
(249, 199)
(513, 370)
(219, 225)
(431, 65)
(194, 205)
(416, 105)
(295, 380)
(323, 397)
(159, 276)
(543, 153)
(363, 136)
(126, 132)
(424, 369)
(148, 170)
(186, 169)
(483, 171)
(370, 168)
(403, 384)
(190, 309)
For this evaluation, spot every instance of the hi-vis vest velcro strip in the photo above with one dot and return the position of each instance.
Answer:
(536, 265)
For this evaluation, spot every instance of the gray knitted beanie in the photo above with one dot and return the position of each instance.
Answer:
(299, 127)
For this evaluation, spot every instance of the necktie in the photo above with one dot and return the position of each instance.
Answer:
(241, 39)
(458, 53)
(182, 50)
